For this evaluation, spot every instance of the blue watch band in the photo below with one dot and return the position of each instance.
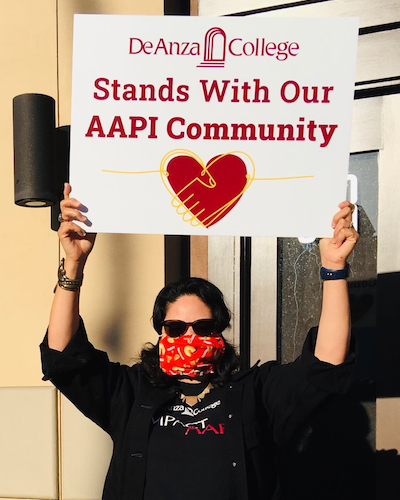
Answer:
(330, 274)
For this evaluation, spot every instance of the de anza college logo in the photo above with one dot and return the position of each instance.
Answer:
(217, 47)
(214, 49)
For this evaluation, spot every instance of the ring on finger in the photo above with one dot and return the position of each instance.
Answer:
(60, 218)
(351, 225)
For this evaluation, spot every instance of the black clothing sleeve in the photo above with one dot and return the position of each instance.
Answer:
(88, 378)
(292, 392)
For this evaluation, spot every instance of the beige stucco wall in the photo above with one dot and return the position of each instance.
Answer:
(28, 249)
(122, 277)
(125, 271)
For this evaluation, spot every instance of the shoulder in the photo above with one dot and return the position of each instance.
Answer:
(256, 372)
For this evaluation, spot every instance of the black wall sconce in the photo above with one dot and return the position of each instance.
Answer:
(41, 154)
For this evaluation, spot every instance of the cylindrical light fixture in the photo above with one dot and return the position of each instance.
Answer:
(34, 125)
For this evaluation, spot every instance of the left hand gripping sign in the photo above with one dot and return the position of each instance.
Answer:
(211, 125)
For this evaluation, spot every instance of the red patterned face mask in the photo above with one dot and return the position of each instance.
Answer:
(190, 355)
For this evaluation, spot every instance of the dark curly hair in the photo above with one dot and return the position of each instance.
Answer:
(214, 299)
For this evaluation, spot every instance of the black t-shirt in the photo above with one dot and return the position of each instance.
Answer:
(187, 452)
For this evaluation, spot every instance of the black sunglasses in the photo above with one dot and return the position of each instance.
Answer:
(176, 328)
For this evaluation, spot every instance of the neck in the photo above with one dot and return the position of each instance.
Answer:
(194, 380)
(190, 380)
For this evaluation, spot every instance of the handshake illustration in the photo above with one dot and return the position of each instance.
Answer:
(204, 194)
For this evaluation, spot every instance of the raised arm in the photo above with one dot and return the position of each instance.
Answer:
(334, 326)
(77, 244)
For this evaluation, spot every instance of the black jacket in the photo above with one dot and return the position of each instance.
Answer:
(265, 407)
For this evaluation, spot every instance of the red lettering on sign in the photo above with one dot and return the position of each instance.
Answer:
(169, 127)
(117, 127)
(99, 87)
(95, 126)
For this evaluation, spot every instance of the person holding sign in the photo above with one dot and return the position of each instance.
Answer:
(185, 423)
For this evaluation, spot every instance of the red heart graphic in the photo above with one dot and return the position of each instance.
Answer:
(209, 192)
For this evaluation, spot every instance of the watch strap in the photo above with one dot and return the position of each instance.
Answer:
(334, 274)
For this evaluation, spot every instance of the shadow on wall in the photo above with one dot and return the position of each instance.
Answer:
(388, 320)
(125, 324)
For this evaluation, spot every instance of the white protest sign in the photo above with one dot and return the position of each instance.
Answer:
(211, 126)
